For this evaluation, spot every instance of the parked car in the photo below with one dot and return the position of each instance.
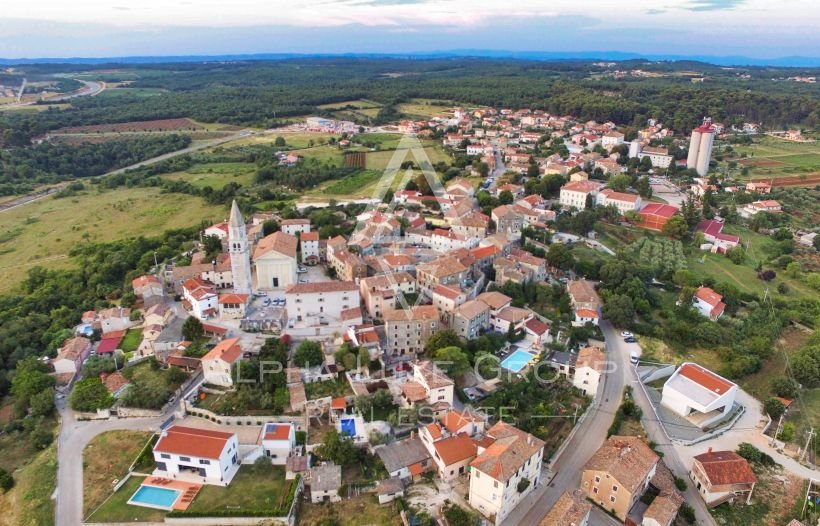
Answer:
(631, 339)
(301, 270)
(267, 302)
(633, 358)
(302, 280)
(260, 293)
(626, 334)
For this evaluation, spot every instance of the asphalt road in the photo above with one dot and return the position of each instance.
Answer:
(588, 437)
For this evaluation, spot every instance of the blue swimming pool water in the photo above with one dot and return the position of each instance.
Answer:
(153, 497)
(349, 427)
(516, 361)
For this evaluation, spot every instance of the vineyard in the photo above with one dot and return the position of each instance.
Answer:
(797, 180)
(355, 160)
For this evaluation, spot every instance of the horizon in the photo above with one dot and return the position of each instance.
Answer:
(752, 29)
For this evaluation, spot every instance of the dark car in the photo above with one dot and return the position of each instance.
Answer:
(631, 339)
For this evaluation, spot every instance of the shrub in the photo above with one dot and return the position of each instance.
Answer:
(6, 480)
(687, 513)
(680, 484)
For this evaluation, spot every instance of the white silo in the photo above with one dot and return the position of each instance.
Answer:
(707, 139)
(694, 145)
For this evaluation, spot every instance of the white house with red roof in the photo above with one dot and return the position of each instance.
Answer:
(698, 395)
(767, 205)
(198, 455)
(709, 303)
(216, 365)
(233, 305)
(279, 441)
(713, 234)
(200, 297)
(622, 201)
(575, 194)
(219, 230)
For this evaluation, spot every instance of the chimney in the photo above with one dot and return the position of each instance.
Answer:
(709, 452)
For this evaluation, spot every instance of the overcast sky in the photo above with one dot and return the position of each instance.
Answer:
(105, 28)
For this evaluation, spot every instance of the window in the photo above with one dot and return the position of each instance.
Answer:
(614, 489)
(612, 498)
(184, 459)
(165, 455)
(597, 479)
(205, 462)
(276, 282)
(495, 484)
(595, 489)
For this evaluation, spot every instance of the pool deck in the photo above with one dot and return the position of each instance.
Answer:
(187, 490)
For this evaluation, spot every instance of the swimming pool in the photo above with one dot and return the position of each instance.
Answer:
(348, 426)
(154, 497)
(516, 361)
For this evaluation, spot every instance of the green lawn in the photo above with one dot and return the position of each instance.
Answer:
(106, 458)
(381, 159)
(217, 175)
(250, 489)
(354, 184)
(323, 154)
(357, 104)
(424, 108)
(132, 340)
(117, 509)
(386, 141)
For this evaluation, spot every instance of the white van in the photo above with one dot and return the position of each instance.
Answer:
(633, 358)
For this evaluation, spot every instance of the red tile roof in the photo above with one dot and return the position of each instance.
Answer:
(226, 350)
(339, 403)
(233, 299)
(726, 467)
(659, 209)
(705, 378)
(455, 449)
(190, 441)
(277, 431)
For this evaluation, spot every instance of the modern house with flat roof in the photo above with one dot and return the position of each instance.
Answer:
(698, 394)
(279, 442)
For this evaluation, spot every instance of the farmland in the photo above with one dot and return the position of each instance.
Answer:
(216, 175)
(424, 108)
(769, 158)
(43, 232)
(163, 125)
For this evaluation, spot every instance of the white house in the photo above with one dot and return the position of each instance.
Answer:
(698, 394)
(309, 242)
(589, 366)
(275, 261)
(216, 365)
(586, 304)
(428, 385)
(233, 305)
(219, 230)
(278, 442)
(709, 303)
(293, 226)
(622, 201)
(575, 194)
(210, 457)
(325, 481)
(321, 299)
(201, 298)
(71, 355)
(115, 319)
(506, 470)
(612, 139)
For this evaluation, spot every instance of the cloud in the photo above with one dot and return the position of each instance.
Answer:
(713, 5)
(655, 11)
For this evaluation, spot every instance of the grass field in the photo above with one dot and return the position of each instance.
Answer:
(105, 459)
(131, 92)
(323, 154)
(379, 160)
(353, 185)
(117, 509)
(772, 157)
(29, 502)
(216, 175)
(132, 340)
(364, 509)
(250, 489)
(42, 232)
(357, 104)
(424, 108)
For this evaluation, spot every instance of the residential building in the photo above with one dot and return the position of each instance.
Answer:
(659, 156)
(294, 226)
(325, 481)
(428, 385)
(713, 233)
(322, 299)
(445, 270)
(709, 303)
(382, 291)
(447, 298)
(233, 305)
(71, 355)
(470, 319)
(619, 473)
(405, 459)
(508, 220)
(279, 441)
(149, 289)
(408, 330)
(448, 240)
(275, 261)
(698, 394)
(239, 252)
(511, 317)
(612, 139)
(586, 304)
(219, 230)
(309, 244)
(452, 456)
(622, 201)
(578, 193)
(589, 367)
(572, 509)
(767, 205)
(761, 187)
(200, 298)
(210, 457)
(347, 265)
(722, 476)
(655, 215)
(505, 471)
(389, 489)
(495, 300)
(217, 364)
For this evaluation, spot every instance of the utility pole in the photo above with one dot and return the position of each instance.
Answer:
(808, 442)
(778, 430)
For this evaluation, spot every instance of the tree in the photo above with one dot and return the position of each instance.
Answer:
(192, 329)
(269, 227)
(794, 269)
(441, 339)
(785, 387)
(364, 358)
(42, 404)
(633, 217)
(736, 255)
(619, 182)
(90, 394)
(646, 164)
(337, 448)
(212, 246)
(787, 434)
(560, 257)
(30, 378)
(279, 142)
(675, 227)
(308, 354)
(643, 187)
(506, 197)
(388, 196)
(452, 360)
(6, 480)
(619, 310)
(774, 407)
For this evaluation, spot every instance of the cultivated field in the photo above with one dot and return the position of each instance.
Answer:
(425, 108)
(43, 232)
(163, 125)
(216, 175)
(772, 158)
